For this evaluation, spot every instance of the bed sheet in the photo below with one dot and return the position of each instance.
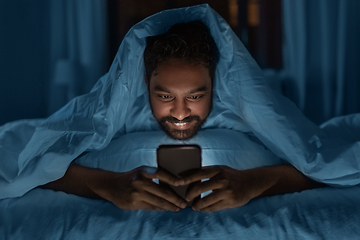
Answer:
(327, 213)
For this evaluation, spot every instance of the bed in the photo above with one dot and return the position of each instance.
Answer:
(324, 213)
(112, 128)
(327, 213)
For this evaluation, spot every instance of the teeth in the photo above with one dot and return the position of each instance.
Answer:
(179, 124)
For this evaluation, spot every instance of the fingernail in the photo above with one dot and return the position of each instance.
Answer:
(181, 182)
(177, 210)
(183, 205)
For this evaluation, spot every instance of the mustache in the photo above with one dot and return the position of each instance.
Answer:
(175, 120)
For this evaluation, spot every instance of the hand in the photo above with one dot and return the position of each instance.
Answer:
(136, 190)
(230, 187)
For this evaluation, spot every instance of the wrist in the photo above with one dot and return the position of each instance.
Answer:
(287, 179)
(99, 182)
(265, 178)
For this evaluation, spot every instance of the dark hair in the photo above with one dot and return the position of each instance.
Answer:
(190, 42)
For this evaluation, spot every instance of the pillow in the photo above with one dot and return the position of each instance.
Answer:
(219, 147)
(345, 127)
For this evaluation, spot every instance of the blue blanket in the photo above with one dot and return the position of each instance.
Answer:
(118, 104)
(326, 213)
(249, 126)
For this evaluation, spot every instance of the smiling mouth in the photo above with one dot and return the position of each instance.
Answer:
(181, 125)
(181, 129)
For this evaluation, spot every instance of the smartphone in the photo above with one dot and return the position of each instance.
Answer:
(179, 159)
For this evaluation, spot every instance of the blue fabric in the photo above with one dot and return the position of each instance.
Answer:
(78, 48)
(218, 147)
(325, 213)
(118, 105)
(321, 56)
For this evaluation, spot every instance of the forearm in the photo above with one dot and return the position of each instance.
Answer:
(131, 190)
(79, 180)
(233, 188)
(285, 179)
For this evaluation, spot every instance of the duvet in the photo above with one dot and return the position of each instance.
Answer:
(324, 213)
(112, 128)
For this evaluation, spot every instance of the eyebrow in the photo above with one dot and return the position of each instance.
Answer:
(162, 89)
(200, 89)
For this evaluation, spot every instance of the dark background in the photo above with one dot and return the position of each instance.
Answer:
(25, 41)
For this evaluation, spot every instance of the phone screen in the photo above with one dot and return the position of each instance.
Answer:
(178, 159)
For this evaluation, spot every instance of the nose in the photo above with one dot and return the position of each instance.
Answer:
(180, 109)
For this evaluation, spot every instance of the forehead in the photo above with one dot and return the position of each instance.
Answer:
(180, 75)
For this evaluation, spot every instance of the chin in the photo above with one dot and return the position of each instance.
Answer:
(181, 134)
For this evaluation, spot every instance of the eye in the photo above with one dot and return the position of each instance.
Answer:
(194, 97)
(165, 97)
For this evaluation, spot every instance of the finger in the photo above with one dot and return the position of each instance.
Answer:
(149, 207)
(158, 202)
(211, 199)
(198, 188)
(147, 170)
(162, 192)
(221, 205)
(198, 175)
(161, 175)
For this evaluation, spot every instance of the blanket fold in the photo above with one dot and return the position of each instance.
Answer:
(34, 153)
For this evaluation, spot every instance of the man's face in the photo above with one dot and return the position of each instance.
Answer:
(180, 97)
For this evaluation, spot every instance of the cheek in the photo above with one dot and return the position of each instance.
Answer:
(201, 109)
(159, 109)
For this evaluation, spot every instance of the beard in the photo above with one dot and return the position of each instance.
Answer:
(181, 134)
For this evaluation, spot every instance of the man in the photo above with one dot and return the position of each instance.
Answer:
(180, 74)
